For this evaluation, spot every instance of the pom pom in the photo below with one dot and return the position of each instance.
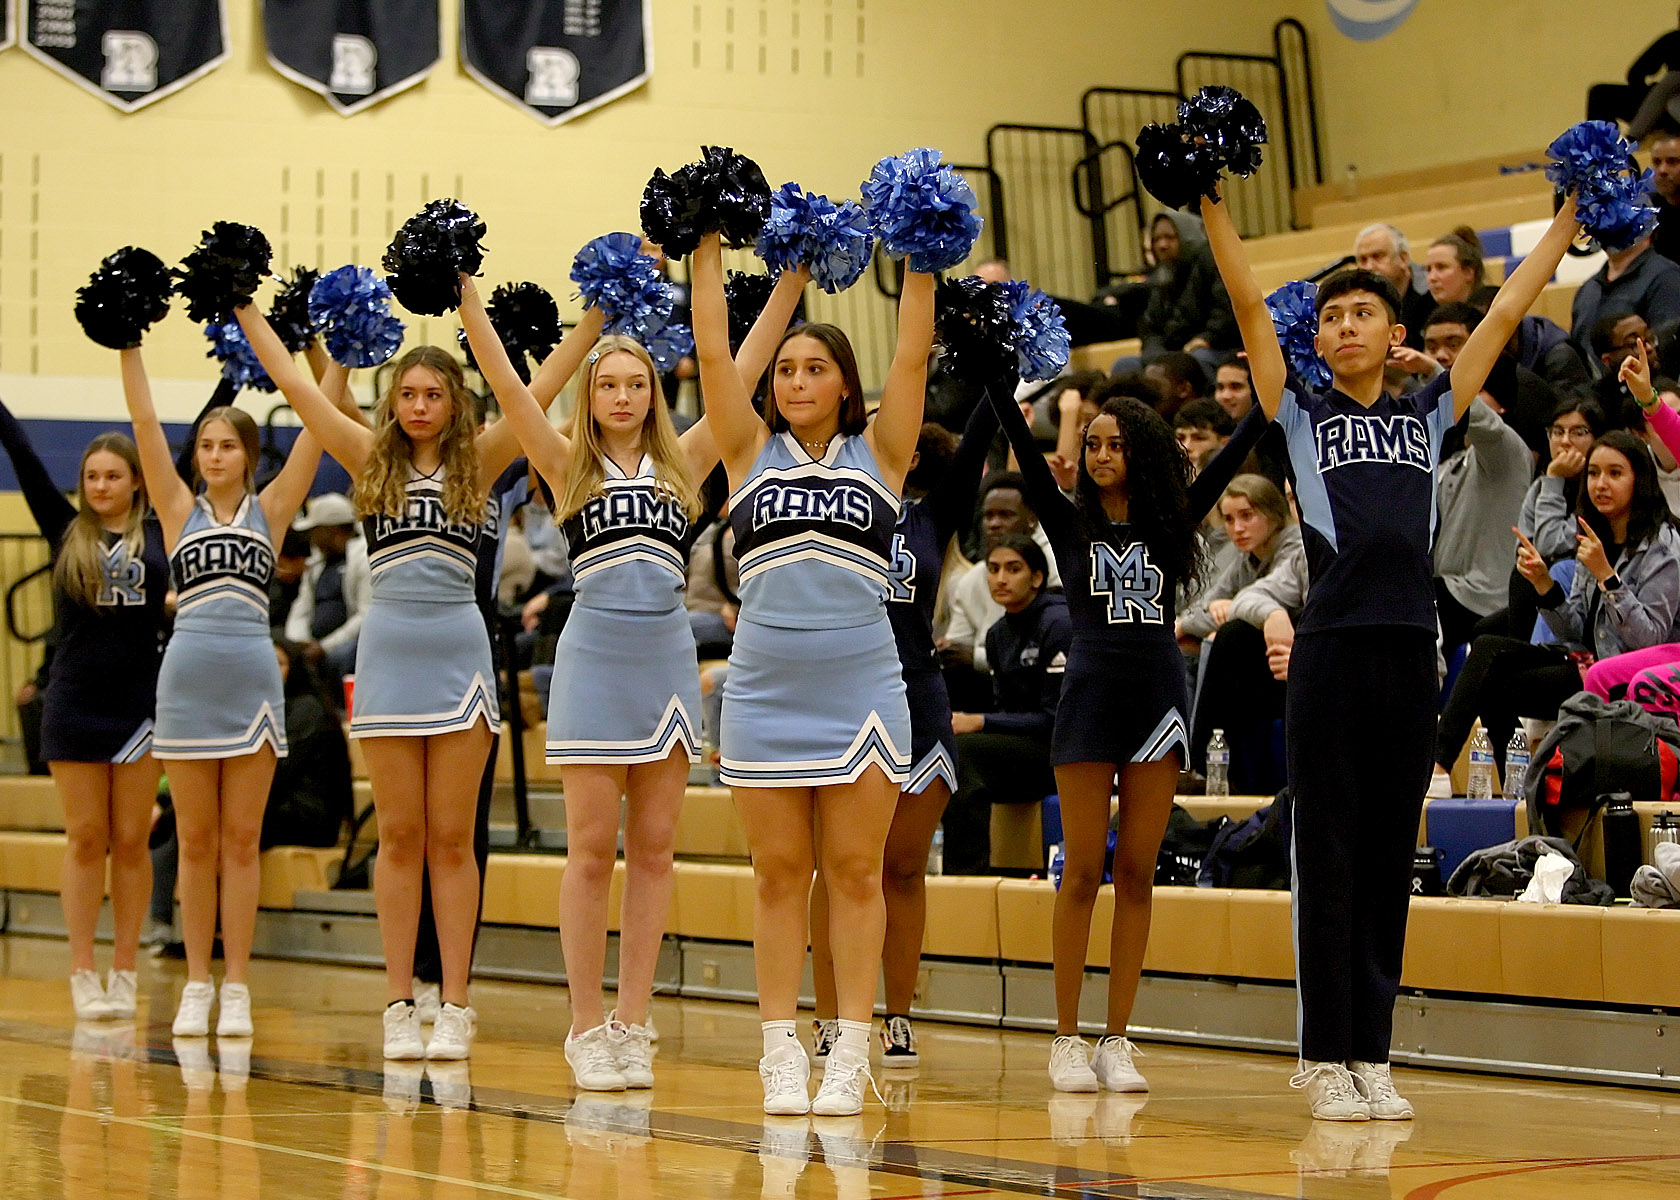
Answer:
(976, 328)
(224, 271)
(289, 314)
(724, 192)
(352, 308)
(834, 239)
(1595, 161)
(239, 362)
(1174, 169)
(526, 317)
(612, 273)
(667, 345)
(1295, 317)
(428, 252)
(746, 295)
(126, 296)
(1042, 344)
(922, 210)
(1226, 121)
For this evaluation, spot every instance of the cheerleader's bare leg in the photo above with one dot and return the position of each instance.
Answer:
(592, 812)
(778, 824)
(1146, 800)
(397, 770)
(195, 784)
(245, 785)
(87, 792)
(650, 842)
(133, 792)
(855, 818)
(1084, 789)
(454, 767)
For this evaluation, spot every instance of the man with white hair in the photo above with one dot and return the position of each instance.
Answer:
(1385, 250)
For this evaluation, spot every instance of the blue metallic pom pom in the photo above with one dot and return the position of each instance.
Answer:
(352, 308)
(667, 344)
(613, 274)
(1595, 161)
(922, 209)
(1042, 344)
(239, 361)
(834, 239)
(1295, 318)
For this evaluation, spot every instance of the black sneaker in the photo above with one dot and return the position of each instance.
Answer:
(823, 1036)
(898, 1044)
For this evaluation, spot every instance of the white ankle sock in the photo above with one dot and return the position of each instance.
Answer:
(779, 1034)
(853, 1041)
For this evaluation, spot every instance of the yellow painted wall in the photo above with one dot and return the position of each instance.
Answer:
(1464, 79)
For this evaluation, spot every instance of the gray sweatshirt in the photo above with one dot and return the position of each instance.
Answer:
(1547, 519)
(1480, 491)
(1255, 589)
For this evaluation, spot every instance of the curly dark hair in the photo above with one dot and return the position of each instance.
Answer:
(1157, 487)
(1648, 509)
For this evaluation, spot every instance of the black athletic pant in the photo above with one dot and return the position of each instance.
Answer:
(1240, 696)
(992, 768)
(428, 961)
(1503, 680)
(1360, 726)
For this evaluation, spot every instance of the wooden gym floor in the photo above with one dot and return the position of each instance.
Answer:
(309, 1111)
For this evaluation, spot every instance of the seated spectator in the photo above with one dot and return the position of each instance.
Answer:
(1247, 616)
(713, 596)
(1625, 596)
(311, 797)
(1455, 270)
(1386, 251)
(289, 563)
(1663, 147)
(336, 588)
(1180, 378)
(1542, 346)
(1635, 282)
(547, 544)
(1004, 511)
(1518, 395)
(1631, 101)
(1188, 310)
(1003, 756)
(1202, 425)
(1233, 391)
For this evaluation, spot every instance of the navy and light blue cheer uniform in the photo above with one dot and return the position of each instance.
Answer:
(423, 661)
(219, 690)
(815, 694)
(626, 679)
(925, 527)
(1124, 697)
(1361, 701)
(102, 685)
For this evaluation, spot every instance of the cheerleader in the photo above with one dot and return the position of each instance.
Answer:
(110, 574)
(1125, 545)
(220, 709)
(426, 708)
(814, 500)
(943, 487)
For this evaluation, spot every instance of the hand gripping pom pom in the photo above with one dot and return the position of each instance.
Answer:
(289, 314)
(922, 209)
(1295, 317)
(834, 239)
(240, 366)
(1174, 169)
(1042, 344)
(724, 192)
(613, 274)
(1225, 120)
(1595, 162)
(126, 296)
(746, 295)
(976, 328)
(352, 308)
(428, 253)
(223, 272)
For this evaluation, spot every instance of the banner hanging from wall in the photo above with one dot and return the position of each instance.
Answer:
(558, 59)
(129, 53)
(354, 53)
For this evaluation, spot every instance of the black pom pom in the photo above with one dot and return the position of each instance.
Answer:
(746, 296)
(426, 254)
(1225, 120)
(122, 299)
(223, 272)
(526, 318)
(289, 314)
(1174, 169)
(724, 192)
(976, 328)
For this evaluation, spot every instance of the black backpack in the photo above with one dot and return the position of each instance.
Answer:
(1598, 748)
(1253, 853)
(1185, 846)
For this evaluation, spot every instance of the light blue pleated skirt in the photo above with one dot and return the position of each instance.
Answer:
(810, 707)
(219, 696)
(626, 688)
(422, 668)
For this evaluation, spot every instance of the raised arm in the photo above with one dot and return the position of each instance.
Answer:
(51, 510)
(546, 447)
(1516, 296)
(760, 343)
(1248, 303)
(740, 432)
(1054, 510)
(172, 498)
(565, 359)
(346, 439)
(898, 422)
(951, 502)
(284, 494)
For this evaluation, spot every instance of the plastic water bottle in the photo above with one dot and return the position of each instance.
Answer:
(936, 853)
(1218, 765)
(1053, 866)
(1516, 767)
(1480, 786)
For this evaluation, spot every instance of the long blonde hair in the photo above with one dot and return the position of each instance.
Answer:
(79, 571)
(382, 487)
(659, 439)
